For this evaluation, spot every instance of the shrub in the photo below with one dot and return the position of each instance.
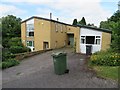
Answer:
(18, 49)
(6, 54)
(9, 63)
(16, 41)
(105, 58)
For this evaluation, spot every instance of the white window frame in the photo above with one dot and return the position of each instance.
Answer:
(28, 42)
(98, 38)
(83, 37)
(29, 30)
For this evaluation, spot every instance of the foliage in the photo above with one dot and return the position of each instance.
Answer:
(11, 27)
(18, 49)
(74, 22)
(6, 54)
(82, 22)
(115, 17)
(9, 63)
(113, 23)
(105, 58)
(116, 35)
(15, 41)
(16, 46)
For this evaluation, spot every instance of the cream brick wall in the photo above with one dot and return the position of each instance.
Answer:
(23, 33)
(41, 33)
(106, 41)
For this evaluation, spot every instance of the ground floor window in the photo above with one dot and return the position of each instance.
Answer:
(30, 43)
(90, 40)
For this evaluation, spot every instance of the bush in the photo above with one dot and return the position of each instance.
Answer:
(105, 58)
(19, 49)
(9, 63)
(6, 54)
(16, 41)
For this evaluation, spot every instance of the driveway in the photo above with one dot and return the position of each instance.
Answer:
(38, 72)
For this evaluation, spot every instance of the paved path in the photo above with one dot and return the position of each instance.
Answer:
(38, 72)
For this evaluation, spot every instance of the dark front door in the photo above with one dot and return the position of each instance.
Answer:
(71, 40)
(88, 49)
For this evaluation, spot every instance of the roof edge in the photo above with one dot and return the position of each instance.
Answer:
(98, 29)
(47, 20)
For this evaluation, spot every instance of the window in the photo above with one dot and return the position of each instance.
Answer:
(56, 27)
(30, 43)
(83, 39)
(30, 27)
(61, 28)
(31, 33)
(90, 39)
(97, 40)
(30, 30)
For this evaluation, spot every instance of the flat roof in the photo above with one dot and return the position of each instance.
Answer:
(94, 28)
(81, 26)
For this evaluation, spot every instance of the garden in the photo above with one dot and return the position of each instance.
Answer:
(106, 63)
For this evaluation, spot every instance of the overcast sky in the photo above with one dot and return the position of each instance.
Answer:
(94, 11)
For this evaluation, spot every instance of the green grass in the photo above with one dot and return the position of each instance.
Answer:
(108, 72)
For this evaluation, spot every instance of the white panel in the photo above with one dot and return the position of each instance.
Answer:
(90, 32)
(31, 21)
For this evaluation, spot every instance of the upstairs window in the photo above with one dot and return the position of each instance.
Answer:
(30, 27)
(30, 30)
(56, 27)
(61, 27)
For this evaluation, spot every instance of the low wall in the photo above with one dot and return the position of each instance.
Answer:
(29, 54)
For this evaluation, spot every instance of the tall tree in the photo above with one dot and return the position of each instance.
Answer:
(116, 35)
(82, 22)
(11, 27)
(113, 23)
(75, 22)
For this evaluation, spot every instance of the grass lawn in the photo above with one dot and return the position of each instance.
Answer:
(108, 72)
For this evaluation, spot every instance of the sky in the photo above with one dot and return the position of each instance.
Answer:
(94, 11)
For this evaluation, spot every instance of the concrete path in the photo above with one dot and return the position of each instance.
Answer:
(38, 72)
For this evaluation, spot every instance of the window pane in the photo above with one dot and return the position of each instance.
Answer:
(31, 33)
(30, 43)
(98, 41)
(30, 27)
(90, 39)
(97, 36)
(82, 41)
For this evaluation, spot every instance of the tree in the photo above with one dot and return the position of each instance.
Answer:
(113, 23)
(75, 22)
(11, 27)
(82, 22)
(115, 17)
(116, 35)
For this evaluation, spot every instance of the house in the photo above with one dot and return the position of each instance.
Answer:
(40, 33)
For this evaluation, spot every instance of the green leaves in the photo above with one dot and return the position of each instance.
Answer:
(82, 22)
(113, 23)
(11, 27)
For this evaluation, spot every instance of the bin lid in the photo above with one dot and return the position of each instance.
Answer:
(58, 53)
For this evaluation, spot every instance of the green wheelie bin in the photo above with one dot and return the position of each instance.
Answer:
(60, 65)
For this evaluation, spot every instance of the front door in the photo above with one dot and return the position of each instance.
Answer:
(71, 40)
